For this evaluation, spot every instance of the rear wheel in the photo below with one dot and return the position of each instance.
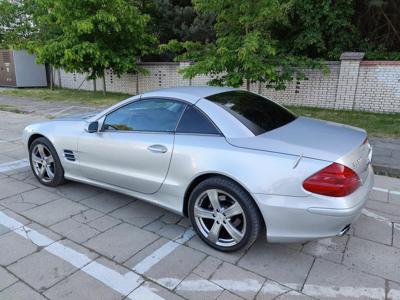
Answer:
(224, 215)
(45, 163)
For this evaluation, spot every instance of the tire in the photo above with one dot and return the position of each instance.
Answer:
(53, 172)
(214, 225)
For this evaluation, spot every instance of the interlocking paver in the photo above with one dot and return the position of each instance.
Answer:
(157, 290)
(394, 197)
(107, 201)
(198, 244)
(81, 286)
(147, 251)
(6, 278)
(207, 267)
(329, 280)
(388, 208)
(41, 270)
(278, 263)
(293, 295)
(13, 247)
(173, 268)
(237, 280)
(271, 290)
(77, 191)
(104, 223)
(74, 230)
(171, 218)
(138, 213)
(330, 248)
(195, 287)
(20, 290)
(374, 230)
(170, 231)
(377, 195)
(28, 200)
(121, 242)
(55, 211)
(226, 295)
(396, 235)
(373, 258)
(10, 187)
(393, 291)
(3, 230)
(87, 216)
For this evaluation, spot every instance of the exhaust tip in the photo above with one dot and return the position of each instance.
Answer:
(344, 230)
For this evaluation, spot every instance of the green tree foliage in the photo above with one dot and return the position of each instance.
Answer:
(245, 50)
(177, 20)
(14, 25)
(319, 28)
(378, 22)
(88, 36)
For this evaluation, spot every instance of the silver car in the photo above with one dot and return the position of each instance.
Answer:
(232, 161)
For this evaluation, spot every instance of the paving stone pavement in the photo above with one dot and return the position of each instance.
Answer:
(81, 242)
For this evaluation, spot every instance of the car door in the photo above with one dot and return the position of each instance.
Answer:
(133, 148)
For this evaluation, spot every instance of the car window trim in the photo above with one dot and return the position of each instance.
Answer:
(185, 103)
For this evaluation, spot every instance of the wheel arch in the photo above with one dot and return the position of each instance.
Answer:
(198, 179)
(34, 137)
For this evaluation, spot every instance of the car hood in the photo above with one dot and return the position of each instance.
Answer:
(307, 137)
(77, 117)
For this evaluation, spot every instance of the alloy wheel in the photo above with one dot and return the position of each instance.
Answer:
(43, 163)
(220, 218)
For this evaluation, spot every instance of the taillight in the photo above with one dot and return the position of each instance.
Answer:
(335, 180)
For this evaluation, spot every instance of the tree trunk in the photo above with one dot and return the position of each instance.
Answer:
(51, 78)
(104, 84)
(59, 78)
(248, 84)
(94, 85)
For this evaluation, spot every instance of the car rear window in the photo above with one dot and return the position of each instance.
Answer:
(257, 113)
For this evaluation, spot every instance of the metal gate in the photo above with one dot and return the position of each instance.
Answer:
(7, 69)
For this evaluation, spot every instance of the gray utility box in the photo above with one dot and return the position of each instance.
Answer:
(18, 69)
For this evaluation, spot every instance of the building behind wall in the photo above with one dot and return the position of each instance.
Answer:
(18, 69)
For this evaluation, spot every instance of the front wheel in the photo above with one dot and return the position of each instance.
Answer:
(224, 215)
(45, 163)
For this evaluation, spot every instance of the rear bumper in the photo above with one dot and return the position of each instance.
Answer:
(294, 219)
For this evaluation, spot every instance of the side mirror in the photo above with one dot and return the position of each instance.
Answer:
(93, 127)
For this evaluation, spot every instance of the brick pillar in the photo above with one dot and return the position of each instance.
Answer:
(348, 78)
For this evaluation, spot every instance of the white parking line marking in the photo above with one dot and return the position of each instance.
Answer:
(151, 260)
(124, 284)
(377, 217)
(13, 165)
(343, 292)
(380, 189)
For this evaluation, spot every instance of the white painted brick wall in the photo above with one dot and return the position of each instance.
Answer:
(368, 86)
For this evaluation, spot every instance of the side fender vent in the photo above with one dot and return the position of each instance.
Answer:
(69, 155)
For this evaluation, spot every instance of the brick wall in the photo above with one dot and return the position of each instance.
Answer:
(351, 83)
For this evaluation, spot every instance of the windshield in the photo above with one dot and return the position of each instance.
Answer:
(257, 113)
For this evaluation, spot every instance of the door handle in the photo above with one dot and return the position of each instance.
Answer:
(157, 148)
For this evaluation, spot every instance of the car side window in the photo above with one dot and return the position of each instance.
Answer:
(159, 115)
(194, 121)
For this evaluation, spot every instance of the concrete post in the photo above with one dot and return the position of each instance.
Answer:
(348, 79)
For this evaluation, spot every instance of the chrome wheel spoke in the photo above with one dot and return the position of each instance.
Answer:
(40, 149)
(233, 232)
(42, 171)
(233, 210)
(203, 213)
(50, 159)
(213, 197)
(213, 234)
(49, 172)
(36, 159)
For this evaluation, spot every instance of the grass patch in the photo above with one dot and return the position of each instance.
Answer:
(376, 124)
(68, 95)
(11, 108)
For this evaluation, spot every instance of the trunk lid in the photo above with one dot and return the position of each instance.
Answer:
(310, 138)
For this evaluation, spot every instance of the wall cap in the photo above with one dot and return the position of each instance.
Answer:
(352, 56)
